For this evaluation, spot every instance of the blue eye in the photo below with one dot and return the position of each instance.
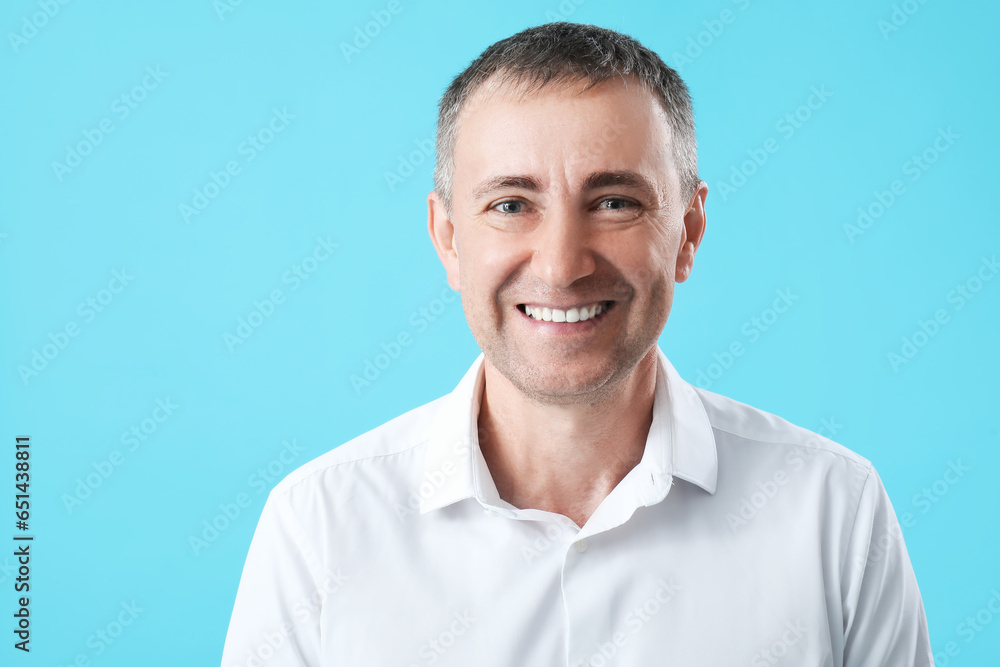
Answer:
(499, 207)
(617, 199)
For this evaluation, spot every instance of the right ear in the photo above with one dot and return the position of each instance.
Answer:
(442, 232)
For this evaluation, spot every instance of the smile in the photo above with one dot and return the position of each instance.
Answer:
(575, 314)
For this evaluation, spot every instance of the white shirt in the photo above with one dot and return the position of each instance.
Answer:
(738, 539)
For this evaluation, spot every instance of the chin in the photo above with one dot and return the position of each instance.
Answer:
(559, 386)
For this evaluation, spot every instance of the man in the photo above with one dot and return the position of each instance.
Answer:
(574, 501)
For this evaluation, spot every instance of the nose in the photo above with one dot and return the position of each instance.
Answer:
(562, 252)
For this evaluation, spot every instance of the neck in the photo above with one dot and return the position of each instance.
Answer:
(565, 458)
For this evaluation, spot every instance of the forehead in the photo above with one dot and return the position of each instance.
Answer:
(563, 129)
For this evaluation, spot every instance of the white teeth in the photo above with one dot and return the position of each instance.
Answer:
(571, 315)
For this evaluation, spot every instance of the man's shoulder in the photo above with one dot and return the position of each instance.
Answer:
(742, 425)
(383, 444)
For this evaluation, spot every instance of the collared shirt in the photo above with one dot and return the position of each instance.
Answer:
(738, 539)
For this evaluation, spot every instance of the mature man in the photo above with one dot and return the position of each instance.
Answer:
(574, 501)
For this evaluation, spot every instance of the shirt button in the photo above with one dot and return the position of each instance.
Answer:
(581, 545)
(489, 512)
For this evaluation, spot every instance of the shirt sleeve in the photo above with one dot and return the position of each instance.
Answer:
(884, 620)
(275, 620)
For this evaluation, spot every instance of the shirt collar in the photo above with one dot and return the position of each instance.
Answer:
(680, 443)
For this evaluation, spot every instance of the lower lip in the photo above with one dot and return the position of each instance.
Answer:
(564, 328)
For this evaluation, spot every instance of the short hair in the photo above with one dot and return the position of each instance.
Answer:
(563, 52)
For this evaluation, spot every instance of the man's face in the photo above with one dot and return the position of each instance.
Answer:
(566, 206)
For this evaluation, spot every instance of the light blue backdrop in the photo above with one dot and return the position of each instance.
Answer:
(212, 216)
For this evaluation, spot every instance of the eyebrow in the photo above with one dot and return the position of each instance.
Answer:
(596, 180)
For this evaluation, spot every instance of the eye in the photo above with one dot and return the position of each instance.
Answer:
(622, 203)
(508, 207)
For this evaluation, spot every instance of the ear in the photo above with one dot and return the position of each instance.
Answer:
(442, 233)
(692, 233)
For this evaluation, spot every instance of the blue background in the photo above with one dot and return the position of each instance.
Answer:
(225, 69)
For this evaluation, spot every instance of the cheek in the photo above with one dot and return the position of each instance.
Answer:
(647, 256)
(651, 280)
(659, 292)
(486, 261)
(653, 296)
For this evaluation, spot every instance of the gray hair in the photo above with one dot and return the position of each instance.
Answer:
(563, 52)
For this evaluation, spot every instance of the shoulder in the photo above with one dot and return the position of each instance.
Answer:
(743, 431)
(391, 446)
(775, 474)
(739, 422)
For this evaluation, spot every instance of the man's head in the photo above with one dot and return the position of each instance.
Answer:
(566, 179)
